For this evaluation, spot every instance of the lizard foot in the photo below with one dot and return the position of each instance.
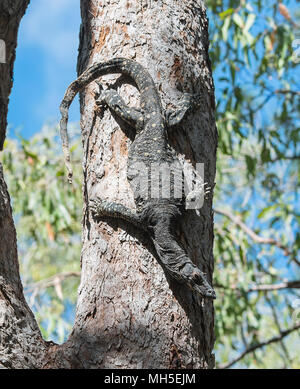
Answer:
(96, 207)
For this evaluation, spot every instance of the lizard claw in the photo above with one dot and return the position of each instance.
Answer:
(95, 206)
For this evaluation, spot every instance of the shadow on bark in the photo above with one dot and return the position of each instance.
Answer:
(84, 350)
(196, 308)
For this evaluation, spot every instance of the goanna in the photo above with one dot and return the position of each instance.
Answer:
(157, 216)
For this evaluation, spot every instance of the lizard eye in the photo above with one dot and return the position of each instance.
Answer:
(152, 222)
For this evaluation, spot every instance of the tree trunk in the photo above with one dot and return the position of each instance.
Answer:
(21, 343)
(129, 313)
(126, 306)
(11, 13)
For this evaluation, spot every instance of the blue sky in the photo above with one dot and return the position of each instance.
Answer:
(45, 64)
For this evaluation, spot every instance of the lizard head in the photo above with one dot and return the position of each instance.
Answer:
(204, 290)
(196, 281)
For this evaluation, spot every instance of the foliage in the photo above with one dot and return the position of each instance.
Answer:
(257, 236)
(257, 180)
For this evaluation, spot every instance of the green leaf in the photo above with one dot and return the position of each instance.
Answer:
(265, 155)
(251, 164)
(266, 211)
(226, 13)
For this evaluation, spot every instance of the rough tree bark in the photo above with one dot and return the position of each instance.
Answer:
(129, 313)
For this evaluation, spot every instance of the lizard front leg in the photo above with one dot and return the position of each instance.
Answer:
(116, 104)
(104, 208)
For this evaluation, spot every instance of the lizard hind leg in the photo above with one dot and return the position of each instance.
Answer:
(103, 208)
(160, 221)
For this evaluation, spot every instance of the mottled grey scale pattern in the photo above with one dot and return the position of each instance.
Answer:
(131, 116)
(156, 216)
(106, 208)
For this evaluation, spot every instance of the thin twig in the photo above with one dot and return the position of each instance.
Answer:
(287, 91)
(276, 320)
(251, 349)
(51, 281)
(265, 287)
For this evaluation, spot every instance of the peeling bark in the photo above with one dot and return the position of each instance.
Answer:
(129, 313)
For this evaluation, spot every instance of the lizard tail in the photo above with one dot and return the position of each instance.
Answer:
(161, 221)
(116, 65)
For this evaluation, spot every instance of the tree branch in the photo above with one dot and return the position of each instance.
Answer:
(250, 349)
(256, 238)
(277, 322)
(287, 91)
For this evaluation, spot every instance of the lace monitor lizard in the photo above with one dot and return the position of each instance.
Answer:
(156, 216)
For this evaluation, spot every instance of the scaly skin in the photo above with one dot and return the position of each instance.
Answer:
(157, 216)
